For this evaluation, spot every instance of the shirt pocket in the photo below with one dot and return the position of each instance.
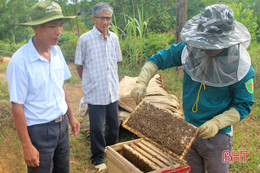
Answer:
(58, 76)
(38, 79)
(113, 58)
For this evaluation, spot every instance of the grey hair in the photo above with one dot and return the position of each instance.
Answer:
(101, 7)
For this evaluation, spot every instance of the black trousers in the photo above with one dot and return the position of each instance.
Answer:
(52, 142)
(102, 117)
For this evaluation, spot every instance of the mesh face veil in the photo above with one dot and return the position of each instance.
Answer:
(215, 29)
(225, 69)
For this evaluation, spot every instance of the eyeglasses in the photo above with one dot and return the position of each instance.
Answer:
(103, 18)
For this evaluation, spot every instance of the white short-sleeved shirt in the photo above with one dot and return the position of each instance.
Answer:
(99, 58)
(37, 83)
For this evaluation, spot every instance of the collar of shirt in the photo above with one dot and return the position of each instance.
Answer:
(99, 34)
(34, 54)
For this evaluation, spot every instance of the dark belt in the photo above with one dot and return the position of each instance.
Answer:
(60, 118)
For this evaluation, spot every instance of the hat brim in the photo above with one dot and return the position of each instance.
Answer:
(42, 21)
(209, 41)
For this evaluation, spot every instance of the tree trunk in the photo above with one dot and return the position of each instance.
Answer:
(76, 14)
(3, 1)
(181, 19)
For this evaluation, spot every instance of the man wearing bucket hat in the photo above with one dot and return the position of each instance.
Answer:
(40, 106)
(217, 84)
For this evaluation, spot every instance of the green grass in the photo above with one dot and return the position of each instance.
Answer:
(3, 85)
(172, 81)
(3, 67)
(11, 153)
(80, 154)
(3, 90)
(247, 132)
(127, 70)
(255, 57)
(74, 75)
(73, 79)
(246, 137)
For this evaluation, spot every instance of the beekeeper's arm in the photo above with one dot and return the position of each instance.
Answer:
(163, 59)
(148, 71)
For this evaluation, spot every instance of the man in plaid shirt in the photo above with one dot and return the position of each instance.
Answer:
(97, 54)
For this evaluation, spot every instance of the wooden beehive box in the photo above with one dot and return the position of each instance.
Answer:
(138, 156)
(170, 133)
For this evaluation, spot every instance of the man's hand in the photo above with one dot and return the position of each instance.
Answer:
(31, 156)
(138, 92)
(75, 126)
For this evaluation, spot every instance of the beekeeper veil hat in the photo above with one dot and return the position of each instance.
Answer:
(215, 29)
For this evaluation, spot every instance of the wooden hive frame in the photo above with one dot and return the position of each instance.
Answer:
(139, 156)
(146, 110)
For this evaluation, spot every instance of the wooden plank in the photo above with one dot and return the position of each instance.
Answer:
(161, 153)
(119, 146)
(148, 156)
(155, 149)
(156, 154)
(120, 162)
(112, 167)
(141, 157)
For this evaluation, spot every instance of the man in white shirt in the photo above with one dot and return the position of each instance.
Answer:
(40, 106)
(97, 54)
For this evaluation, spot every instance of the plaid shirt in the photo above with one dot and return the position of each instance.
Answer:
(99, 58)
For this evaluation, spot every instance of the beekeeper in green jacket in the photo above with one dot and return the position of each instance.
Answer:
(218, 89)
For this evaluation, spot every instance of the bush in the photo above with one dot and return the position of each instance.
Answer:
(137, 51)
(254, 52)
(7, 48)
(68, 44)
(155, 42)
(131, 51)
(246, 17)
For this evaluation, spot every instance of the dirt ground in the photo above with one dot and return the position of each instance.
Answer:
(74, 93)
